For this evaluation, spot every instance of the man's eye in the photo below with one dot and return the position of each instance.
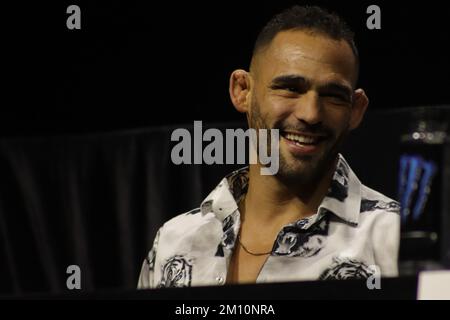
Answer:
(292, 89)
(287, 88)
(337, 97)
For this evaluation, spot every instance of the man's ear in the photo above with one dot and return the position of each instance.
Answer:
(240, 89)
(360, 103)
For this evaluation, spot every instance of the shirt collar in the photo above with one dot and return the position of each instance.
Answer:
(343, 198)
(224, 199)
(344, 195)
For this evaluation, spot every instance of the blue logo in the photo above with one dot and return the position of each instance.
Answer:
(415, 179)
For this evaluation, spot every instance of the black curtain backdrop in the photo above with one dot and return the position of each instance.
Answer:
(97, 200)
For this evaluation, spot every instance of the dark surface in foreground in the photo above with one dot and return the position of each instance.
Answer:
(391, 288)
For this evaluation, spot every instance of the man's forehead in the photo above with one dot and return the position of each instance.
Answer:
(304, 52)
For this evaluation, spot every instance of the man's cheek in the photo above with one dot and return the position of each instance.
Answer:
(279, 107)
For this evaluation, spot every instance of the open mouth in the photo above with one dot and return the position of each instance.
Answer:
(300, 139)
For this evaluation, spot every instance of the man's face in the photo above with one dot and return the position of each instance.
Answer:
(303, 86)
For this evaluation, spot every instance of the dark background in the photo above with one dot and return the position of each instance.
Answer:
(86, 117)
(135, 64)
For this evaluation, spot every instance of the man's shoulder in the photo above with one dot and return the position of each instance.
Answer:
(375, 201)
(185, 220)
(191, 231)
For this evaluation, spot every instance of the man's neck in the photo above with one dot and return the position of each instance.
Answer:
(271, 202)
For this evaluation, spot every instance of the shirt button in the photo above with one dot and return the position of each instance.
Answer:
(219, 280)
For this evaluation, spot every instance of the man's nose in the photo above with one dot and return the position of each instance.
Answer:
(308, 108)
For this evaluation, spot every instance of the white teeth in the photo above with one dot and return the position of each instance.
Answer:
(301, 139)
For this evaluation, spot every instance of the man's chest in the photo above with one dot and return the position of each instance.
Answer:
(244, 267)
(292, 259)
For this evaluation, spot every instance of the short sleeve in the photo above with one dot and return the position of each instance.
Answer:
(146, 277)
(386, 242)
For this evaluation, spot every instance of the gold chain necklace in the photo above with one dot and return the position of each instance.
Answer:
(242, 202)
(248, 251)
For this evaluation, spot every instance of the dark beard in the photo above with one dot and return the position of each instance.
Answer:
(306, 179)
(290, 176)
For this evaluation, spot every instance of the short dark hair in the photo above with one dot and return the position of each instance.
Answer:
(312, 18)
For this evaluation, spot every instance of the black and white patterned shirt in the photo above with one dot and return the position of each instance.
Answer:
(354, 234)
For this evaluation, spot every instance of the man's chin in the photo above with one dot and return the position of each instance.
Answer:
(301, 162)
(304, 169)
(297, 172)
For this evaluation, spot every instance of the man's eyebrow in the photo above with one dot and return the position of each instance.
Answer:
(289, 79)
(294, 79)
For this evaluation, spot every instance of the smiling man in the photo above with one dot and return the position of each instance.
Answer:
(311, 220)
